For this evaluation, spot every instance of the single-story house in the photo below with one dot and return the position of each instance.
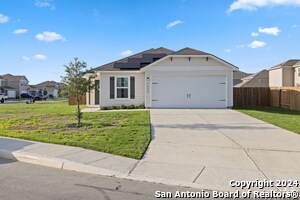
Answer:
(162, 78)
(238, 76)
(259, 79)
(286, 74)
(52, 88)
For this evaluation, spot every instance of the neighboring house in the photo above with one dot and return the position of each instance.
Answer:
(238, 76)
(286, 74)
(14, 85)
(259, 79)
(162, 78)
(51, 87)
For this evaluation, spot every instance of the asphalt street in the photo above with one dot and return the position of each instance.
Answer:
(26, 181)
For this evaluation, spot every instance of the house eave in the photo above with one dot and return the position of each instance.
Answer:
(118, 72)
(190, 56)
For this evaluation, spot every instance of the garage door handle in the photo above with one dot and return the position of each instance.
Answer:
(222, 83)
(154, 83)
(222, 100)
(154, 100)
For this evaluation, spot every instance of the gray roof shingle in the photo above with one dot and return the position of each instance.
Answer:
(110, 66)
(259, 79)
(140, 60)
(189, 51)
(11, 77)
(288, 63)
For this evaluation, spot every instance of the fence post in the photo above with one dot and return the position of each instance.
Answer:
(280, 98)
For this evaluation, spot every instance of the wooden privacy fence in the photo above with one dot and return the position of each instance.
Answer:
(251, 96)
(72, 100)
(284, 97)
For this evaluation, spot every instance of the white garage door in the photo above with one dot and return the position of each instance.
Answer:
(11, 94)
(189, 92)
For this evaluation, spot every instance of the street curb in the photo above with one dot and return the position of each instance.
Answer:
(74, 166)
(83, 168)
(57, 163)
(164, 181)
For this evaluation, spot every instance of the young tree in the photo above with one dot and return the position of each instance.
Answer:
(77, 83)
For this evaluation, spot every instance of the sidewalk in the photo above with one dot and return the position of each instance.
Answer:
(77, 159)
(66, 157)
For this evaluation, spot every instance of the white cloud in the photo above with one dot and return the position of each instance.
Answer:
(227, 50)
(172, 24)
(256, 44)
(40, 57)
(3, 18)
(254, 34)
(49, 36)
(255, 4)
(295, 26)
(20, 31)
(25, 58)
(240, 46)
(126, 53)
(44, 4)
(271, 31)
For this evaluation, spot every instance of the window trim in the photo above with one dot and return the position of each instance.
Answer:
(128, 87)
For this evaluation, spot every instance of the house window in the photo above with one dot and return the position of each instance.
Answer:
(299, 72)
(122, 87)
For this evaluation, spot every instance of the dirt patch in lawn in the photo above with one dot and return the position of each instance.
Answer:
(75, 126)
(54, 119)
(10, 115)
(24, 127)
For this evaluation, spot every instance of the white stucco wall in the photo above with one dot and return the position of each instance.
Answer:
(91, 102)
(105, 89)
(275, 78)
(182, 66)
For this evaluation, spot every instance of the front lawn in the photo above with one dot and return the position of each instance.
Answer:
(286, 119)
(121, 133)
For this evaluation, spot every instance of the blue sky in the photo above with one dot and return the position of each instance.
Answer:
(37, 37)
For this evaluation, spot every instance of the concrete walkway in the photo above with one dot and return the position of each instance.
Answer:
(208, 148)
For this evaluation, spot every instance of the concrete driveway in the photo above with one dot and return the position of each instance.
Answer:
(206, 148)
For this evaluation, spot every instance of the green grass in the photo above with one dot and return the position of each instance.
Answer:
(121, 133)
(286, 119)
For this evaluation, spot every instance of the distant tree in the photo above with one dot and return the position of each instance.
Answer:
(77, 83)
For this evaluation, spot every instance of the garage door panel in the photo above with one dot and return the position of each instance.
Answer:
(188, 92)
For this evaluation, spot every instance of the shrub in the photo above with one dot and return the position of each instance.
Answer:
(103, 108)
(131, 107)
(142, 106)
(123, 107)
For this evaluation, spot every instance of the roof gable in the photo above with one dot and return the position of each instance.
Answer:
(11, 77)
(288, 63)
(48, 84)
(253, 80)
(189, 51)
(145, 59)
(240, 75)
